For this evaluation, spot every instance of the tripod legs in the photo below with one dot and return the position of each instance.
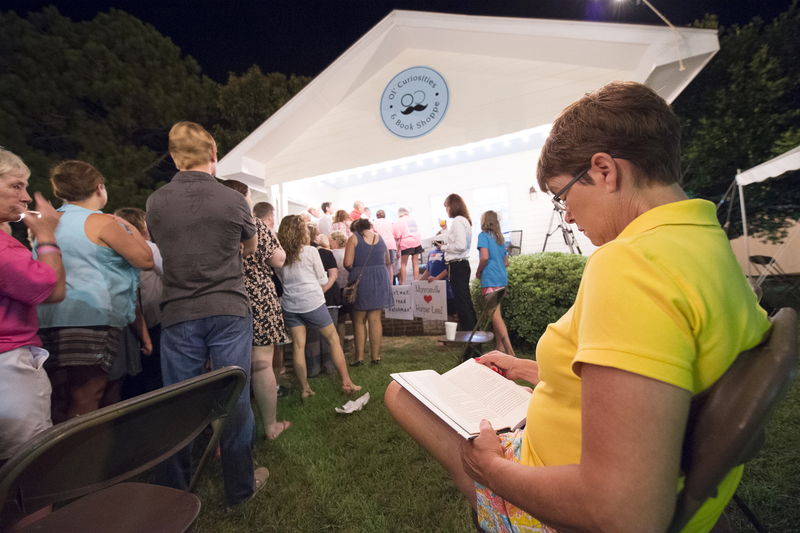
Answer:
(566, 232)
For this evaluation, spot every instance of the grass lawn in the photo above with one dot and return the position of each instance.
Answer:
(361, 473)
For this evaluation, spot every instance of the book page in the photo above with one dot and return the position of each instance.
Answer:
(466, 394)
(500, 400)
(452, 401)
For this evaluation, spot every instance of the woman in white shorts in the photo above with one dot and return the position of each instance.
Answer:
(24, 283)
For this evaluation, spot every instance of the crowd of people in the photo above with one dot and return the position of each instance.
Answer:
(105, 307)
(201, 279)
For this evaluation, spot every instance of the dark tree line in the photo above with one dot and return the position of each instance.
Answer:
(107, 90)
(744, 109)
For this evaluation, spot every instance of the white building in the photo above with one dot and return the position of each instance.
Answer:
(506, 80)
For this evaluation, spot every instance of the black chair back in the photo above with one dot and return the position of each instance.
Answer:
(727, 421)
(94, 451)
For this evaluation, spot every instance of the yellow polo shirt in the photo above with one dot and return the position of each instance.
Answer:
(666, 299)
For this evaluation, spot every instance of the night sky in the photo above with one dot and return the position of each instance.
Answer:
(305, 36)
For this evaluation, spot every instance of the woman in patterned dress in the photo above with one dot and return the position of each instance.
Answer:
(341, 222)
(268, 329)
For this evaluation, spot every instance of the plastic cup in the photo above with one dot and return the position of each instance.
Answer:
(450, 330)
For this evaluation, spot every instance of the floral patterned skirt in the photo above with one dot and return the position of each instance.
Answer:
(498, 515)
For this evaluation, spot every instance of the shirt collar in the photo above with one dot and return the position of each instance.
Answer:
(695, 212)
(193, 175)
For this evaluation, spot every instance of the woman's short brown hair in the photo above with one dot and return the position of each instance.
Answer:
(624, 119)
(74, 181)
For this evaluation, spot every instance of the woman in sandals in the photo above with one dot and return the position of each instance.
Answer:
(268, 329)
(303, 277)
(367, 259)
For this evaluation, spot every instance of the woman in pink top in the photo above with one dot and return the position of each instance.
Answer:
(24, 283)
(408, 242)
(385, 229)
(341, 222)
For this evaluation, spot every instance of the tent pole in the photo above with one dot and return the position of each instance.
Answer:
(744, 232)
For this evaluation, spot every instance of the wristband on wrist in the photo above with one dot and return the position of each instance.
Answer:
(44, 243)
(43, 249)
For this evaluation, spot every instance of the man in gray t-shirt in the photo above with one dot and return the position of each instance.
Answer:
(202, 229)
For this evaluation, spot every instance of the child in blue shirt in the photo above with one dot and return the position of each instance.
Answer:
(493, 274)
(436, 270)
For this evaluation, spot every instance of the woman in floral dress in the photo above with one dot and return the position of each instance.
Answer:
(268, 328)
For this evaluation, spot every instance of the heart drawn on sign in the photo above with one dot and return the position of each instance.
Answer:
(427, 298)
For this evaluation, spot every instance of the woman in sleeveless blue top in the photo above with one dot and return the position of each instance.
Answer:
(101, 254)
(367, 259)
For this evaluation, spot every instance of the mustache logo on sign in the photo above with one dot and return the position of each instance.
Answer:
(413, 102)
(411, 109)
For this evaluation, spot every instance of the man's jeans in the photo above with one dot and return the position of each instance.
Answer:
(185, 348)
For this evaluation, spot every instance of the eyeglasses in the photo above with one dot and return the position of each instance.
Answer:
(558, 199)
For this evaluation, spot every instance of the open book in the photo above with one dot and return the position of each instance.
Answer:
(468, 393)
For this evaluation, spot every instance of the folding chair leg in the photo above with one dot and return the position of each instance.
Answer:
(751, 516)
(471, 351)
(211, 448)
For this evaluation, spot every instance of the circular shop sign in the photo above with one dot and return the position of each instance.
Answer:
(414, 102)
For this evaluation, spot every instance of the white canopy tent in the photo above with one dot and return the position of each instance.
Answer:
(770, 169)
(505, 75)
(507, 78)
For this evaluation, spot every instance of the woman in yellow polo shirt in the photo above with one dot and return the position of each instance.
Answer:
(662, 310)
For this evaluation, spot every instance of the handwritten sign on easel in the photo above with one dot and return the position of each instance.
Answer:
(430, 299)
(419, 300)
(403, 308)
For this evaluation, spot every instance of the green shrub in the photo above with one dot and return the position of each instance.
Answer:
(541, 288)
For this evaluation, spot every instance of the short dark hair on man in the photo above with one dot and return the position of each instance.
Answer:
(627, 120)
(237, 186)
(263, 209)
(325, 206)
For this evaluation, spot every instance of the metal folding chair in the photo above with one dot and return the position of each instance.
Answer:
(89, 456)
(515, 244)
(769, 268)
(474, 340)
